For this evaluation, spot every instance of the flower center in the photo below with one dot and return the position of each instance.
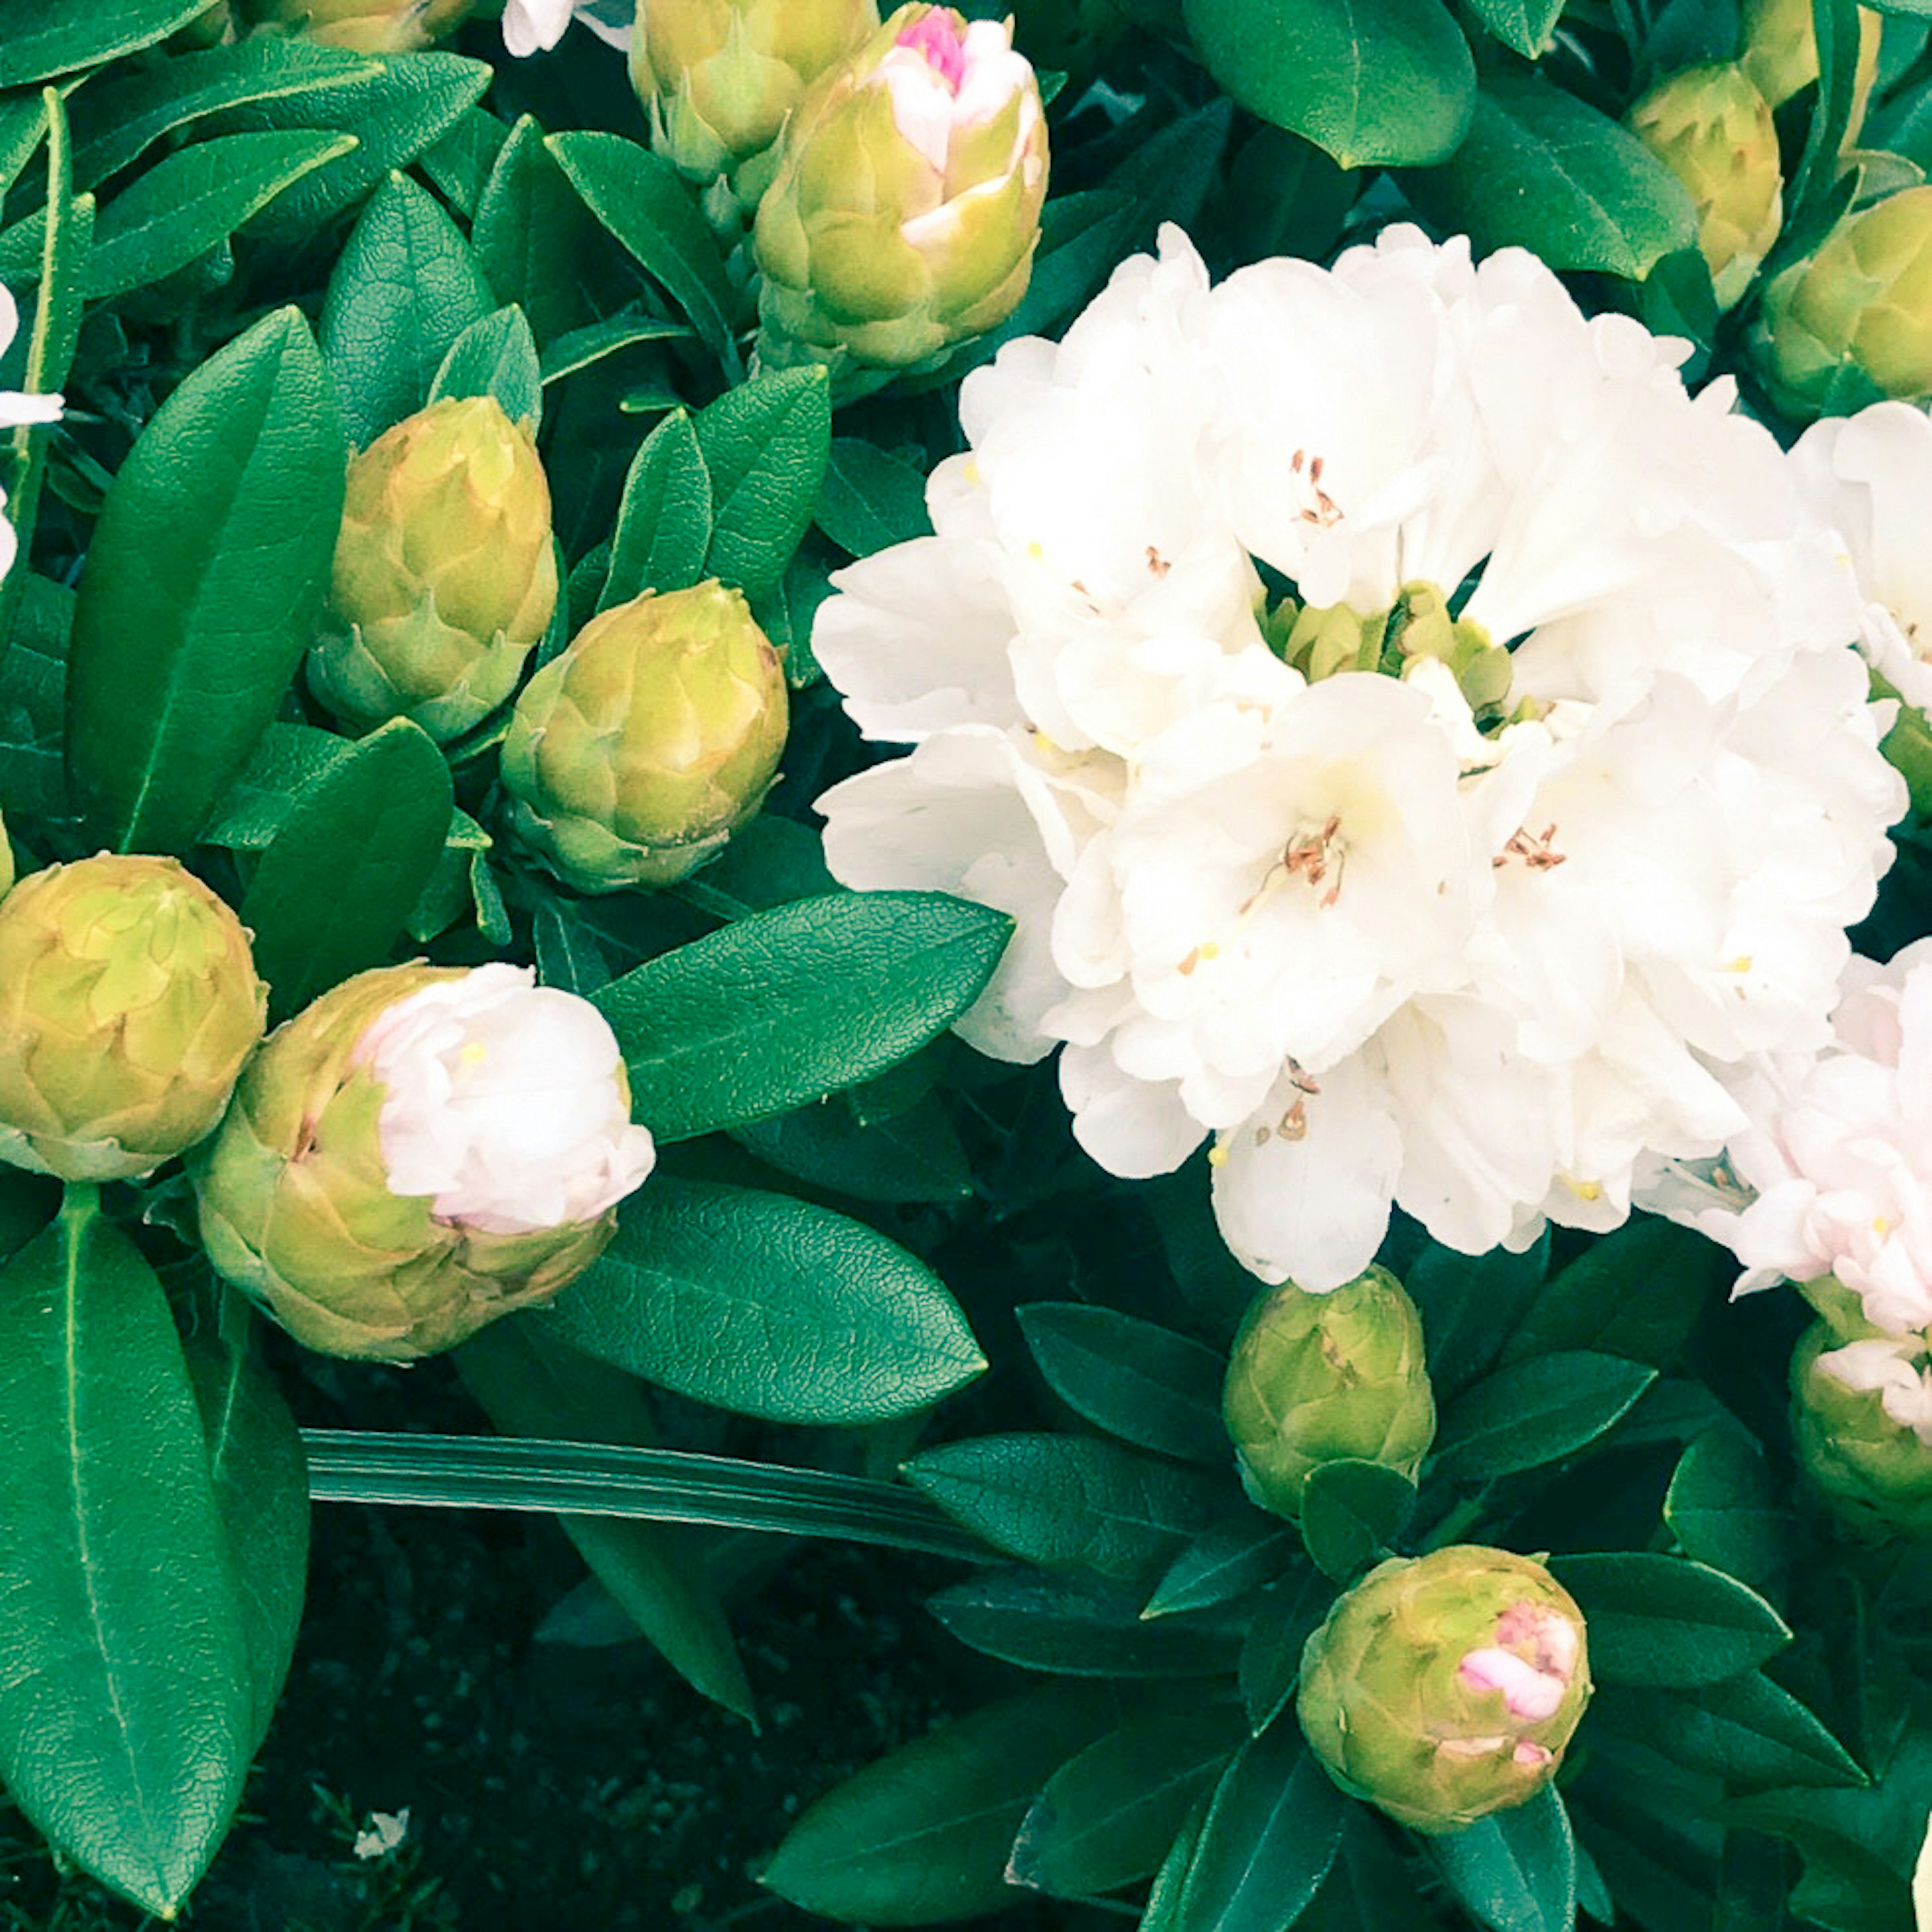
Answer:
(939, 43)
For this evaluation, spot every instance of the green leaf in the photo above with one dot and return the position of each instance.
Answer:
(202, 585)
(127, 1706)
(568, 954)
(1107, 1816)
(1545, 171)
(1371, 1886)
(261, 1490)
(188, 203)
(783, 1007)
(406, 287)
(648, 206)
(1666, 1621)
(287, 760)
(1536, 1412)
(1525, 26)
(1725, 1509)
(1515, 1871)
(1272, 1833)
(1470, 1304)
(1351, 1512)
(36, 40)
(1146, 1384)
(116, 121)
(337, 882)
(922, 1836)
(1226, 1560)
(495, 356)
(769, 1307)
(396, 115)
(565, 355)
(765, 444)
(1748, 1731)
(528, 1385)
(535, 238)
(1373, 82)
(1271, 1657)
(1078, 1626)
(1069, 1502)
(914, 1156)
(1637, 1293)
(663, 523)
(28, 1202)
(871, 499)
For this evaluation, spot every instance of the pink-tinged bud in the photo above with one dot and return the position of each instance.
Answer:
(938, 40)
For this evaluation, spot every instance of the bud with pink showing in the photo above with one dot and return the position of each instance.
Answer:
(422, 1150)
(1445, 1687)
(905, 211)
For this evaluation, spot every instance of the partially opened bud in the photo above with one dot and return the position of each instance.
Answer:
(1861, 1420)
(635, 754)
(906, 208)
(445, 577)
(1852, 324)
(1443, 1688)
(422, 1150)
(1712, 129)
(1316, 1378)
(361, 26)
(718, 77)
(128, 1001)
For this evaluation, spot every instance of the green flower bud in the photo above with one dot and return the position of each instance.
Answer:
(128, 1001)
(1852, 324)
(422, 1150)
(1873, 1471)
(1316, 1378)
(1443, 1688)
(1780, 53)
(1712, 129)
(635, 754)
(905, 211)
(444, 576)
(361, 26)
(718, 77)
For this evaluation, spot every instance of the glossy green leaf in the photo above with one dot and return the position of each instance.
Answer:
(765, 446)
(1748, 1731)
(648, 206)
(395, 115)
(1106, 1817)
(188, 203)
(37, 39)
(1725, 1510)
(914, 1156)
(568, 954)
(1536, 1412)
(1226, 1561)
(768, 1306)
(1542, 170)
(127, 1706)
(534, 237)
(1145, 1384)
(871, 499)
(664, 521)
(1351, 1512)
(1078, 1626)
(1164, 1889)
(1516, 1870)
(1470, 1304)
(1274, 1830)
(565, 355)
(1525, 26)
(117, 120)
(1666, 1621)
(405, 286)
(202, 585)
(1387, 82)
(1271, 1657)
(529, 1386)
(1070, 1502)
(337, 882)
(922, 1837)
(1371, 1887)
(786, 1006)
(496, 356)
(261, 1490)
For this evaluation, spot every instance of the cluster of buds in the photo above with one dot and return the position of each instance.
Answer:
(1316, 1378)
(445, 575)
(636, 753)
(1443, 1688)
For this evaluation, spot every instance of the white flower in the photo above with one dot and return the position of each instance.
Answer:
(505, 1101)
(531, 26)
(1202, 669)
(1897, 1370)
(17, 410)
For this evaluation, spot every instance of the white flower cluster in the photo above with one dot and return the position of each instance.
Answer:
(1205, 677)
(17, 410)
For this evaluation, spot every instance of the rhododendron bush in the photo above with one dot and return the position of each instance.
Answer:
(1132, 800)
